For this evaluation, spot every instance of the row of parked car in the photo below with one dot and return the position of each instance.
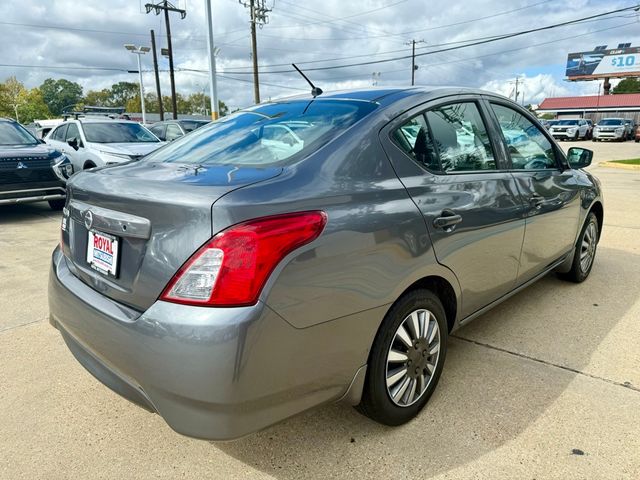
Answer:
(35, 164)
(616, 129)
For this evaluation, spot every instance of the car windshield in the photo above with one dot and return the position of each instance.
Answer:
(610, 121)
(14, 134)
(191, 125)
(107, 132)
(266, 134)
(567, 122)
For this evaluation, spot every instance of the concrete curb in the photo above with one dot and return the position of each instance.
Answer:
(619, 165)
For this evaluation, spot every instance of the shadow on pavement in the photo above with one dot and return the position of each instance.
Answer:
(26, 212)
(485, 398)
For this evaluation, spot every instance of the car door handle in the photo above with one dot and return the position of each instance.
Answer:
(447, 219)
(536, 200)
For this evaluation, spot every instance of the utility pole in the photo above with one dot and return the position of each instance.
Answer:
(157, 74)
(167, 7)
(213, 84)
(414, 67)
(258, 15)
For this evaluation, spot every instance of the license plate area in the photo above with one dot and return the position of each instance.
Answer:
(103, 252)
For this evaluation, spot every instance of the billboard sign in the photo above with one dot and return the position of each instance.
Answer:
(616, 62)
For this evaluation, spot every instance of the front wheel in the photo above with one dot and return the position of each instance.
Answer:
(585, 251)
(406, 359)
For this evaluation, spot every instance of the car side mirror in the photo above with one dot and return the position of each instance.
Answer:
(73, 143)
(579, 157)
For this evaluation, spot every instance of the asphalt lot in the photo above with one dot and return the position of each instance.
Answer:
(547, 385)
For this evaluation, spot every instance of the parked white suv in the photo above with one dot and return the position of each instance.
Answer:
(95, 142)
(610, 129)
(573, 129)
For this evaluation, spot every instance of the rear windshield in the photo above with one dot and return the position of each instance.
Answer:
(14, 134)
(610, 121)
(266, 134)
(117, 133)
(567, 122)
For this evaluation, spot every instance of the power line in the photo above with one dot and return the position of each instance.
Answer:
(466, 45)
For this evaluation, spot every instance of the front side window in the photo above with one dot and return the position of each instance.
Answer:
(528, 147)
(72, 132)
(59, 133)
(267, 134)
(460, 138)
(107, 132)
(14, 134)
(158, 131)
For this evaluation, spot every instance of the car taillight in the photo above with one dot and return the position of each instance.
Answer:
(232, 267)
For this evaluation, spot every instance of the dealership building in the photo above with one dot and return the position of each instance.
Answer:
(594, 107)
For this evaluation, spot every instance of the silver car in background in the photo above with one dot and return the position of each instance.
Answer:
(311, 250)
(96, 142)
(610, 129)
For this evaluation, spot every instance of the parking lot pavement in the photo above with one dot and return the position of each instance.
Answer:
(547, 385)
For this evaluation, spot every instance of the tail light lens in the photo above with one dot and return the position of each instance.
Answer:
(231, 269)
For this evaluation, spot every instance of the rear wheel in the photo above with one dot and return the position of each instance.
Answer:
(56, 204)
(585, 251)
(406, 359)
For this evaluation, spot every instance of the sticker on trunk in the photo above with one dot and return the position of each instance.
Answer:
(102, 253)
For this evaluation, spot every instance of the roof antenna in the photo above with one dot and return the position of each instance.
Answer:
(315, 91)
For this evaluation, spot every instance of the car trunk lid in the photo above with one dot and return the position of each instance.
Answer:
(158, 213)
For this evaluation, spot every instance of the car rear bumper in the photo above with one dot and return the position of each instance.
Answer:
(213, 373)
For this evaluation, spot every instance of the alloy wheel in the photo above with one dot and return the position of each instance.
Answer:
(412, 357)
(588, 247)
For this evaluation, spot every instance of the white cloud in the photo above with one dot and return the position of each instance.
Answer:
(301, 32)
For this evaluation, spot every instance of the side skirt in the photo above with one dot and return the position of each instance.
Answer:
(545, 272)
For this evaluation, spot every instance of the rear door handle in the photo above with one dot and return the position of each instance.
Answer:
(447, 219)
(536, 200)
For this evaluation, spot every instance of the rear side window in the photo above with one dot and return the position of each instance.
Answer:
(460, 138)
(173, 132)
(528, 147)
(414, 138)
(267, 134)
(158, 131)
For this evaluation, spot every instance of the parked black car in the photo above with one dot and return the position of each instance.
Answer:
(30, 171)
(169, 130)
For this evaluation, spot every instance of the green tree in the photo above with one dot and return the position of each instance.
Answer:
(99, 98)
(61, 93)
(122, 92)
(628, 85)
(32, 106)
(11, 94)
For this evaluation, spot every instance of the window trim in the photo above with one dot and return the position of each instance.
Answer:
(560, 158)
(439, 103)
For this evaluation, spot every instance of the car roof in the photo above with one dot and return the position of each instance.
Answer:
(100, 120)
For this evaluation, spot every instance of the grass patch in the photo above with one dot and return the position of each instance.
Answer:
(633, 161)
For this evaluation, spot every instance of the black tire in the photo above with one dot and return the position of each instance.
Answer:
(579, 272)
(56, 204)
(377, 403)
(88, 165)
(576, 137)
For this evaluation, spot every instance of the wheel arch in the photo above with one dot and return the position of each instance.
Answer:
(445, 292)
(598, 211)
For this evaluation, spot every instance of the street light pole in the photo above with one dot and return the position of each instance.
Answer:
(213, 84)
(144, 117)
(139, 51)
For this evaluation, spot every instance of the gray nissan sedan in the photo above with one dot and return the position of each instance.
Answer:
(314, 249)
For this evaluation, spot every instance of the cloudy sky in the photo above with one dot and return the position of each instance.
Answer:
(82, 40)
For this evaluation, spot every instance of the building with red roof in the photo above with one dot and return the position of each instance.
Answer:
(595, 107)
